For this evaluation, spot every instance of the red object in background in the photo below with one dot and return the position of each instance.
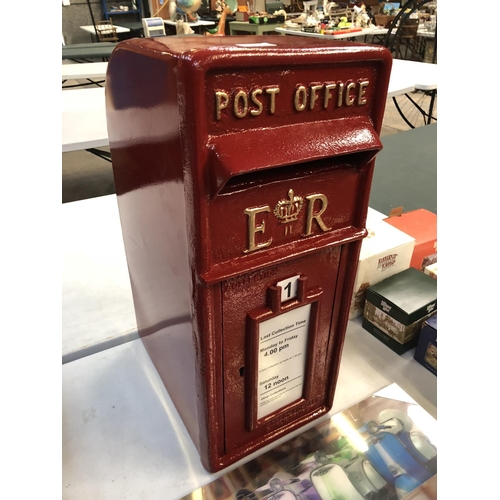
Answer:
(347, 30)
(243, 168)
(421, 225)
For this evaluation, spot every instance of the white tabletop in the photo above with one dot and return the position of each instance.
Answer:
(425, 33)
(97, 305)
(424, 75)
(83, 119)
(90, 28)
(93, 70)
(200, 22)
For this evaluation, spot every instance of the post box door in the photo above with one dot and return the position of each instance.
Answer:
(295, 359)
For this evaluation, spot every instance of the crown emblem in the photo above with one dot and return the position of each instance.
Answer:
(288, 210)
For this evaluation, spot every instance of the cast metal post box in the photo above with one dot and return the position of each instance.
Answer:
(243, 172)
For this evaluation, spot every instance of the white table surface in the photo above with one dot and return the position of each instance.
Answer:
(97, 305)
(84, 113)
(200, 22)
(92, 71)
(83, 119)
(424, 75)
(123, 438)
(90, 28)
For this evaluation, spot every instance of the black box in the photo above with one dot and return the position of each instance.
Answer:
(426, 351)
(396, 308)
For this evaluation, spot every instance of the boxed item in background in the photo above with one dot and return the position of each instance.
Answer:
(384, 252)
(421, 225)
(432, 270)
(426, 350)
(396, 307)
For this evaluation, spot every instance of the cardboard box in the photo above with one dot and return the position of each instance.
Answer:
(426, 351)
(242, 16)
(421, 225)
(385, 251)
(396, 308)
(432, 270)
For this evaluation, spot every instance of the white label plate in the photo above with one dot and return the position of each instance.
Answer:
(282, 360)
(288, 288)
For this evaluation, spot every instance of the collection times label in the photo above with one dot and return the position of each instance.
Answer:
(282, 360)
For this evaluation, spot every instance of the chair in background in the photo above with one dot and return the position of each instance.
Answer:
(405, 43)
(105, 31)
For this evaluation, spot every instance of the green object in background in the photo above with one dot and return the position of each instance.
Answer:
(258, 19)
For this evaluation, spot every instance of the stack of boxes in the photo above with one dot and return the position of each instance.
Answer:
(422, 225)
(426, 351)
(396, 281)
(384, 252)
(396, 308)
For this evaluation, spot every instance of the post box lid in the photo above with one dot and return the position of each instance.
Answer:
(271, 148)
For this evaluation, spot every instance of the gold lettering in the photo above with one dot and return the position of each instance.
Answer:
(253, 96)
(362, 91)
(328, 87)
(256, 228)
(314, 96)
(349, 99)
(236, 106)
(221, 102)
(316, 216)
(300, 98)
(341, 94)
(272, 91)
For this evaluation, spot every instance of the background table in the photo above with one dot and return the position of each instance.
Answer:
(405, 171)
(340, 36)
(83, 119)
(258, 29)
(93, 73)
(98, 50)
(91, 29)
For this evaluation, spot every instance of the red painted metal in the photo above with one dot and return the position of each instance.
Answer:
(211, 139)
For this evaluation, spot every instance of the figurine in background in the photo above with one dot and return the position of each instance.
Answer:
(183, 28)
(357, 12)
(327, 5)
(281, 12)
(219, 6)
(221, 26)
(180, 8)
(189, 7)
(366, 21)
(369, 13)
(343, 23)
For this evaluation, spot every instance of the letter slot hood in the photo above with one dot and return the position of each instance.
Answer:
(271, 148)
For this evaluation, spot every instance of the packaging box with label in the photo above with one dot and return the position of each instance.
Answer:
(385, 251)
(396, 307)
(421, 225)
(426, 351)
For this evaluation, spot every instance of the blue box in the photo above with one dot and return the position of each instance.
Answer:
(426, 350)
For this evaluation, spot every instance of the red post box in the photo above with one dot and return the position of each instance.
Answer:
(243, 172)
